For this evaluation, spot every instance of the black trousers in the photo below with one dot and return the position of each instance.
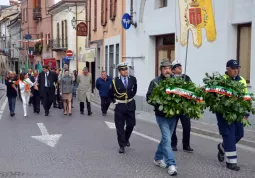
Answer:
(186, 125)
(88, 106)
(105, 103)
(36, 101)
(124, 116)
(47, 99)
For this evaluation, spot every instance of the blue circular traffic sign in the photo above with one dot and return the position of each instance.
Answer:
(126, 21)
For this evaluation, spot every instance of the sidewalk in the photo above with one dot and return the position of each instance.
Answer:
(2, 90)
(201, 127)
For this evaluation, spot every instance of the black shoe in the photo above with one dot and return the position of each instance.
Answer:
(37, 112)
(12, 114)
(221, 155)
(174, 148)
(128, 144)
(104, 114)
(46, 114)
(89, 113)
(188, 149)
(82, 112)
(233, 167)
(122, 150)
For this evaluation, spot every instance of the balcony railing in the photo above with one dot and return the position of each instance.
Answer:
(37, 14)
(59, 44)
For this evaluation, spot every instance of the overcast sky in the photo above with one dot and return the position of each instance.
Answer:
(4, 2)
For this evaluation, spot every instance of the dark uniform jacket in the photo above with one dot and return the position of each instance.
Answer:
(118, 91)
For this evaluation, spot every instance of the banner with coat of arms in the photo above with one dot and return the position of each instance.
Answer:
(195, 15)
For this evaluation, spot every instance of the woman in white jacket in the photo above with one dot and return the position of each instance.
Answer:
(25, 85)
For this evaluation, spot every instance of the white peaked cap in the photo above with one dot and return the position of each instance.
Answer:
(176, 62)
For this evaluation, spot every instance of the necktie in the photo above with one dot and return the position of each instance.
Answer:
(48, 83)
(125, 82)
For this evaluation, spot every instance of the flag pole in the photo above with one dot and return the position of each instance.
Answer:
(186, 57)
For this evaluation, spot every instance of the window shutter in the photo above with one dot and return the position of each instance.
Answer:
(95, 15)
(115, 9)
(66, 34)
(62, 33)
(41, 38)
(58, 36)
(111, 8)
(106, 12)
(46, 38)
(102, 11)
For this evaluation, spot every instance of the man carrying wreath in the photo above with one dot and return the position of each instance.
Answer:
(185, 121)
(231, 133)
(164, 156)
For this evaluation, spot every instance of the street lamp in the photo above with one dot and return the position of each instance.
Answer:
(74, 22)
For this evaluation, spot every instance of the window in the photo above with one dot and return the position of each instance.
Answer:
(95, 15)
(106, 59)
(47, 38)
(111, 59)
(113, 9)
(244, 50)
(161, 3)
(104, 12)
(58, 35)
(117, 53)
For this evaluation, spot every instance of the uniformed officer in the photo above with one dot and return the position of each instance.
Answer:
(122, 92)
(231, 133)
(185, 121)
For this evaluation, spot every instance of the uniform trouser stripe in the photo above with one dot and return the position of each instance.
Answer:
(233, 153)
(231, 161)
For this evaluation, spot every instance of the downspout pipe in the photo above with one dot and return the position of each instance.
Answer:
(131, 14)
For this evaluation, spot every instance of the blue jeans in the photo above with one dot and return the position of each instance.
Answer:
(165, 151)
(12, 102)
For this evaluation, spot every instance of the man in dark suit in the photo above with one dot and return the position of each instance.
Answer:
(47, 81)
(122, 92)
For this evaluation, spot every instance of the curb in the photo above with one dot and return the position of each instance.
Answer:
(199, 131)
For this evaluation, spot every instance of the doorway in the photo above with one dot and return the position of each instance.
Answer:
(165, 48)
(92, 69)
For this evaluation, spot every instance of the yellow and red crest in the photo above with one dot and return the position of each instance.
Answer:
(195, 15)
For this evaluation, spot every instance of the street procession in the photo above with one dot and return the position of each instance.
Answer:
(106, 89)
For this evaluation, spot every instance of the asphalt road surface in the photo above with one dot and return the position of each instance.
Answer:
(80, 146)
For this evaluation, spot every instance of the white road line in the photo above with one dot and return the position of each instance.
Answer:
(3, 107)
(146, 136)
(43, 129)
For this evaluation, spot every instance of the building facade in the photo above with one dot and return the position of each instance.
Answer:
(64, 32)
(7, 45)
(215, 32)
(107, 34)
(14, 29)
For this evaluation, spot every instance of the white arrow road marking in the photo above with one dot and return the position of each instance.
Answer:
(2, 108)
(111, 125)
(46, 138)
